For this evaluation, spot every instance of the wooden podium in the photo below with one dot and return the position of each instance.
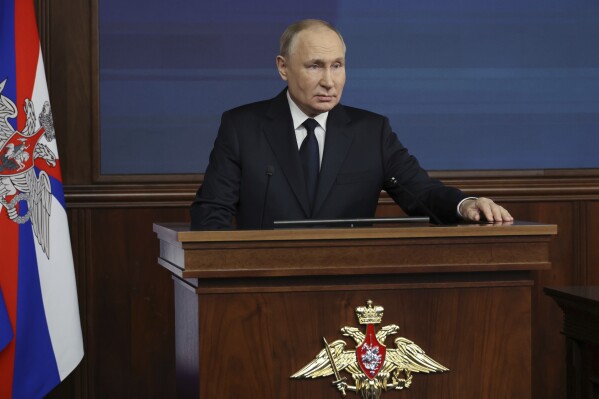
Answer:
(252, 306)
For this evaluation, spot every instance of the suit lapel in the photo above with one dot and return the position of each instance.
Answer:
(278, 129)
(337, 144)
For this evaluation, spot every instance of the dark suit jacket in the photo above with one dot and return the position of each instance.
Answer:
(360, 154)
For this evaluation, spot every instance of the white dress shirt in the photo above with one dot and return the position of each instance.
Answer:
(300, 131)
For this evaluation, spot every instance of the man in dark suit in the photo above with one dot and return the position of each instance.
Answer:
(269, 164)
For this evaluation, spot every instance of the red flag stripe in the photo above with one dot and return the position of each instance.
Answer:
(27, 50)
(9, 271)
(26, 58)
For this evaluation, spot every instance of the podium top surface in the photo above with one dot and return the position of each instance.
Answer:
(582, 295)
(180, 232)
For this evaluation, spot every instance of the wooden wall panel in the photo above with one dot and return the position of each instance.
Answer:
(68, 37)
(591, 224)
(127, 309)
(130, 336)
(549, 346)
(126, 303)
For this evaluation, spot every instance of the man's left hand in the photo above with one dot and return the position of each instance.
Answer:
(482, 208)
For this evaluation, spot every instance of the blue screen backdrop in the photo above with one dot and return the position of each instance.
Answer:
(474, 84)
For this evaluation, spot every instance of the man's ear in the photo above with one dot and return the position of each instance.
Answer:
(282, 66)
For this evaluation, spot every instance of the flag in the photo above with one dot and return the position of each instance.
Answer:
(40, 330)
(5, 327)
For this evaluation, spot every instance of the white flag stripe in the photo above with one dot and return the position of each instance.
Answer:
(59, 294)
(57, 274)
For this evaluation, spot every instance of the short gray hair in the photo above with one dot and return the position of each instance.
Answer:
(292, 30)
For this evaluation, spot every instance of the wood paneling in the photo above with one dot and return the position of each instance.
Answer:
(126, 304)
(69, 70)
(354, 251)
(131, 299)
(591, 240)
(548, 343)
(581, 329)
(128, 314)
(254, 326)
(469, 331)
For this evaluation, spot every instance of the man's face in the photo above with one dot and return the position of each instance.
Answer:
(314, 70)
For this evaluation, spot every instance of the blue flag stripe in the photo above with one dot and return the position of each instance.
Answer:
(36, 372)
(57, 191)
(7, 51)
(6, 332)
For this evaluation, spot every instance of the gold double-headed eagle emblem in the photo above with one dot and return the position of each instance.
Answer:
(372, 366)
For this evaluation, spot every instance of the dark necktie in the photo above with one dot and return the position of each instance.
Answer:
(310, 159)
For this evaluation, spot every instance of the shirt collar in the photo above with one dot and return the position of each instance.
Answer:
(299, 117)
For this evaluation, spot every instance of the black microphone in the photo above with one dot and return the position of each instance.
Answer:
(270, 170)
(393, 183)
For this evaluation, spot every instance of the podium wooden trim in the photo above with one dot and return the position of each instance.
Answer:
(252, 306)
(581, 328)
